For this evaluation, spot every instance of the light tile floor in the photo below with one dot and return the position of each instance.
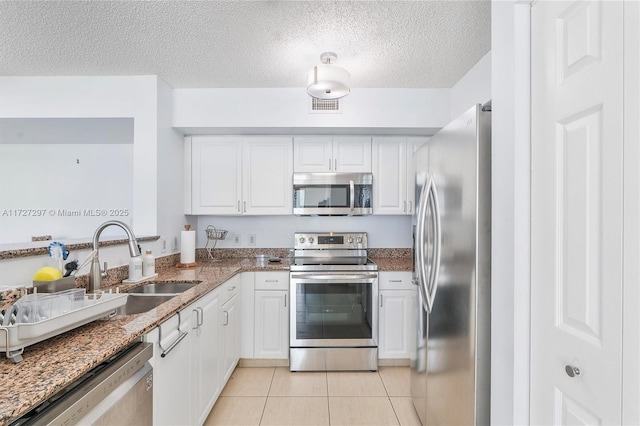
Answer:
(275, 396)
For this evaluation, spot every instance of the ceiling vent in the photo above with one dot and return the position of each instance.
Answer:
(325, 106)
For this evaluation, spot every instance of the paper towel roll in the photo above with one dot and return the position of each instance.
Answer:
(188, 247)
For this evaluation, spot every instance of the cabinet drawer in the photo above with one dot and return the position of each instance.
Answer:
(395, 280)
(229, 289)
(272, 281)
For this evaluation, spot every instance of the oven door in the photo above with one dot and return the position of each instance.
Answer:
(334, 309)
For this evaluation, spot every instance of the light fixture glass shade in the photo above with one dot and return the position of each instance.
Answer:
(328, 81)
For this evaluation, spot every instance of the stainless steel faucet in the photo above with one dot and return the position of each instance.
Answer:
(96, 274)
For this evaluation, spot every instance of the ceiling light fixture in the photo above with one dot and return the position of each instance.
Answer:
(328, 81)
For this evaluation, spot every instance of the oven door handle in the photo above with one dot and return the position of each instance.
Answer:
(334, 277)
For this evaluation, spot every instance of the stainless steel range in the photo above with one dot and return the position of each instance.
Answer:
(334, 312)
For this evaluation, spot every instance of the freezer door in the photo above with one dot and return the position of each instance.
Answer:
(450, 375)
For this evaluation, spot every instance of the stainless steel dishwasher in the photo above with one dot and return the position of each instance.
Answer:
(117, 392)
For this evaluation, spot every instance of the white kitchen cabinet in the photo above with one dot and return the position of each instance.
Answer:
(267, 175)
(343, 154)
(271, 328)
(172, 374)
(236, 175)
(247, 312)
(206, 355)
(397, 315)
(230, 326)
(394, 174)
(215, 181)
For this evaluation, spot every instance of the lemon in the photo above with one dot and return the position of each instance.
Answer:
(47, 273)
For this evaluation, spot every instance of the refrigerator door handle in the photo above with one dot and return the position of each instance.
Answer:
(434, 272)
(420, 242)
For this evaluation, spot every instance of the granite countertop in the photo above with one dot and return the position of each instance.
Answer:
(50, 365)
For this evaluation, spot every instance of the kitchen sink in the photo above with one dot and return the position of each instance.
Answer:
(138, 303)
(163, 288)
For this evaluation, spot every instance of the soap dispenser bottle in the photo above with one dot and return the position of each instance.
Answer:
(135, 268)
(148, 264)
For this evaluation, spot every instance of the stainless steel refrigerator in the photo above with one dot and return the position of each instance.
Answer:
(450, 369)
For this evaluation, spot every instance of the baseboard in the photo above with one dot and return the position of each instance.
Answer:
(401, 362)
(263, 362)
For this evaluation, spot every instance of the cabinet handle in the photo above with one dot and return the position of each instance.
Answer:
(200, 317)
(197, 324)
(226, 318)
(335, 167)
(410, 206)
(395, 281)
(404, 206)
(181, 336)
(381, 301)
(232, 288)
(329, 164)
(270, 281)
(238, 206)
(285, 300)
(245, 206)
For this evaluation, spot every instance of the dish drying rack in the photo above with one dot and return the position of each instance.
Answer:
(50, 314)
(214, 235)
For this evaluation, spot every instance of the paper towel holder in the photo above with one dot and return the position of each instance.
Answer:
(186, 265)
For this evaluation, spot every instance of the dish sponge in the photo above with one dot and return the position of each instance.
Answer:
(47, 273)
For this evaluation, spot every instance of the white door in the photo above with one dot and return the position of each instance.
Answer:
(576, 212)
(267, 175)
(216, 175)
(231, 336)
(206, 355)
(312, 154)
(271, 324)
(390, 174)
(352, 154)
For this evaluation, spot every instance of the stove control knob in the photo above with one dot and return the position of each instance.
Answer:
(359, 240)
(301, 239)
(350, 240)
(311, 240)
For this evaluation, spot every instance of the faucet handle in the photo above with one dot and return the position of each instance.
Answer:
(104, 272)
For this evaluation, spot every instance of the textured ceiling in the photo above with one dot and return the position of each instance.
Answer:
(413, 44)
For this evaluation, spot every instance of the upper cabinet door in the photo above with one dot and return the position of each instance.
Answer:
(216, 175)
(312, 154)
(352, 154)
(267, 175)
(389, 175)
(413, 144)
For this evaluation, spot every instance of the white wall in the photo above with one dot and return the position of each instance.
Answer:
(36, 97)
(473, 88)
(170, 152)
(288, 108)
(157, 151)
(58, 181)
(277, 231)
(510, 34)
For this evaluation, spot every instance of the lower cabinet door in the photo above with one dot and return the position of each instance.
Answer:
(271, 324)
(231, 337)
(172, 386)
(397, 315)
(206, 354)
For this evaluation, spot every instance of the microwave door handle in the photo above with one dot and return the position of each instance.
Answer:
(352, 197)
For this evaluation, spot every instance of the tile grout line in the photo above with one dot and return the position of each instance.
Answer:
(326, 382)
(264, 407)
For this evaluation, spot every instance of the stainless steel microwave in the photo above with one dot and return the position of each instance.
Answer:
(332, 194)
